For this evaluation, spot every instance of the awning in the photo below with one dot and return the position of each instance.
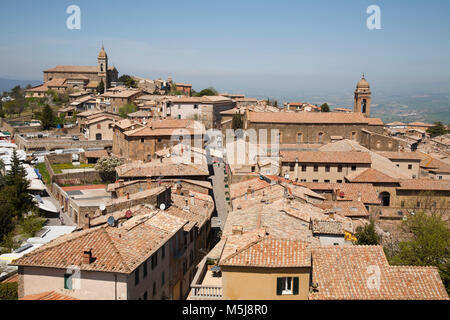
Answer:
(36, 185)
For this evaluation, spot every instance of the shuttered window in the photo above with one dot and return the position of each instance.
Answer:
(287, 286)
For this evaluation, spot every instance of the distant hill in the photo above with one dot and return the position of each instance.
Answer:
(8, 84)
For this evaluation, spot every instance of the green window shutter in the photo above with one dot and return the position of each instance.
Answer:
(295, 289)
(68, 281)
(279, 286)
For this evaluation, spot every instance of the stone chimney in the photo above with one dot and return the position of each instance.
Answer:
(87, 255)
(192, 200)
(88, 222)
(237, 229)
(121, 183)
(359, 195)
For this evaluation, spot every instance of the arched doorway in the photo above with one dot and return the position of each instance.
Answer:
(385, 199)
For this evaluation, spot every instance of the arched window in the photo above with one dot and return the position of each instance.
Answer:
(320, 137)
(353, 135)
(299, 137)
(364, 106)
(101, 67)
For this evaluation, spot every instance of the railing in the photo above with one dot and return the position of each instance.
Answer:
(206, 292)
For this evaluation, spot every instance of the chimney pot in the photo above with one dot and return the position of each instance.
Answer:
(87, 255)
(237, 230)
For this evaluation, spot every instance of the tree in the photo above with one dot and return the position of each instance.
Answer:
(237, 122)
(437, 130)
(101, 87)
(429, 244)
(325, 108)
(207, 92)
(125, 110)
(367, 235)
(15, 192)
(6, 220)
(48, 119)
(128, 81)
(107, 167)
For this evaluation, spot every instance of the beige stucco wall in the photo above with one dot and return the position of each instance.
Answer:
(93, 285)
(309, 175)
(414, 172)
(261, 283)
(105, 129)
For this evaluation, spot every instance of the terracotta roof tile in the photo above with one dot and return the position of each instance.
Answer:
(270, 252)
(344, 273)
(370, 175)
(50, 295)
(327, 227)
(309, 117)
(425, 184)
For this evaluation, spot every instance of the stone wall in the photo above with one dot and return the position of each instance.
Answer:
(54, 144)
(379, 142)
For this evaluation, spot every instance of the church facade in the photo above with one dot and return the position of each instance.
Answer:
(77, 78)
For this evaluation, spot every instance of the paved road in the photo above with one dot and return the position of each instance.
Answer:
(219, 193)
(56, 221)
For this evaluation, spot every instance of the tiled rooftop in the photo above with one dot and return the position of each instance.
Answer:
(345, 273)
(370, 175)
(114, 249)
(327, 227)
(271, 252)
(311, 117)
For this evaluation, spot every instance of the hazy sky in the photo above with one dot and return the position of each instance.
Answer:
(256, 47)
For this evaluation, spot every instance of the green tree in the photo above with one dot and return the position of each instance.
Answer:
(437, 130)
(101, 87)
(48, 119)
(367, 235)
(125, 110)
(207, 92)
(325, 108)
(429, 244)
(237, 122)
(15, 193)
(107, 167)
(6, 220)
(128, 81)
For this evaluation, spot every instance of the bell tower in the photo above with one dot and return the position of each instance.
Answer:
(103, 66)
(363, 97)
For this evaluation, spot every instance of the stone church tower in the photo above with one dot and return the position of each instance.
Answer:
(363, 97)
(103, 67)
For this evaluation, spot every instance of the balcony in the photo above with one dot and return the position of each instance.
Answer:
(205, 285)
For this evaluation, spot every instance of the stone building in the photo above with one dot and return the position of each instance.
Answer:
(311, 127)
(327, 167)
(206, 109)
(142, 142)
(61, 78)
(363, 97)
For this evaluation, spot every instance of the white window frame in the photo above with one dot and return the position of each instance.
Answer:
(288, 281)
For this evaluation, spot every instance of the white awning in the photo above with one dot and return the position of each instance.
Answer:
(36, 185)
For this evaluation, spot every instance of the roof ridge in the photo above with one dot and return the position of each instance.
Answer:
(122, 260)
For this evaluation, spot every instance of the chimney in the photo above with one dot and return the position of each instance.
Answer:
(128, 196)
(359, 196)
(249, 190)
(121, 183)
(237, 229)
(192, 200)
(87, 255)
(88, 222)
(149, 183)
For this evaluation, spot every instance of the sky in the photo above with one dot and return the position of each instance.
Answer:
(261, 48)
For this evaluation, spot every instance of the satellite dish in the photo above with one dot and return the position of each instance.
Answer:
(111, 221)
(128, 214)
(162, 207)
